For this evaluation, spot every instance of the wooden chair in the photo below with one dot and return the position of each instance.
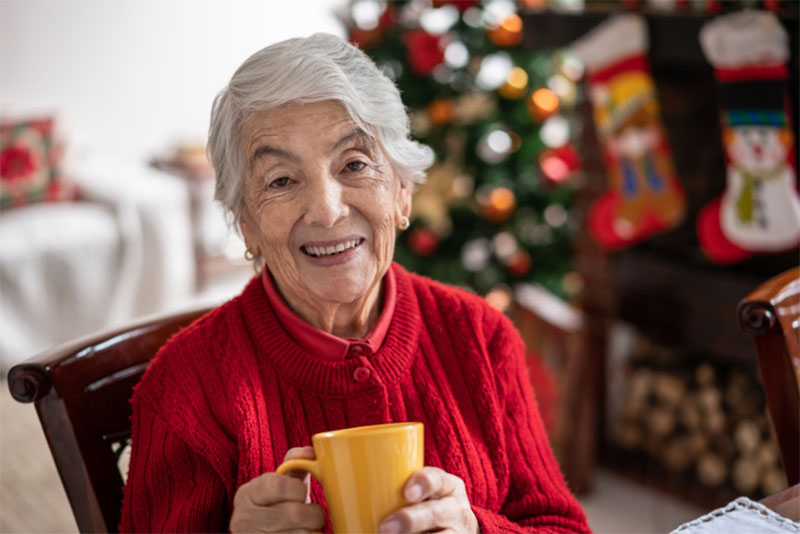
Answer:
(771, 314)
(81, 391)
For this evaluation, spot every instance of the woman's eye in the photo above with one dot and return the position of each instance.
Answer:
(355, 166)
(283, 181)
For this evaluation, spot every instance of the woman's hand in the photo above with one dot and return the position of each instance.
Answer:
(277, 503)
(441, 504)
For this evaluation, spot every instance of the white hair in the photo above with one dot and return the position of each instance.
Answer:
(313, 69)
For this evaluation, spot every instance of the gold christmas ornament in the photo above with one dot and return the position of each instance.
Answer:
(516, 84)
(441, 111)
(508, 33)
(433, 199)
(499, 204)
(542, 104)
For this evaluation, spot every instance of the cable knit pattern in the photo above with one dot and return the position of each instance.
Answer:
(227, 397)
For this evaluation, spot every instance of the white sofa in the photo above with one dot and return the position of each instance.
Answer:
(71, 268)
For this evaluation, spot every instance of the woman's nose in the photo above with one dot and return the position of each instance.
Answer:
(324, 203)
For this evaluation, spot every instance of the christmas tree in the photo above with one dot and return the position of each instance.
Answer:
(495, 209)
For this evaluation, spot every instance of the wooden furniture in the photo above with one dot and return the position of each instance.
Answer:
(556, 332)
(771, 314)
(81, 391)
(785, 503)
(211, 238)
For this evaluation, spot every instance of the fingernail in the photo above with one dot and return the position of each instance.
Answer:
(390, 527)
(414, 492)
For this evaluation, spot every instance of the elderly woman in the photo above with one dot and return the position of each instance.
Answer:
(310, 142)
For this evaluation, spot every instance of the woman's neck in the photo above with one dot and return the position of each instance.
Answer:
(345, 320)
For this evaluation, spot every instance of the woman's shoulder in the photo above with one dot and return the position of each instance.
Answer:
(455, 305)
(193, 353)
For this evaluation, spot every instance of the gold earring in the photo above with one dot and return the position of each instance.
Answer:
(404, 223)
(249, 255)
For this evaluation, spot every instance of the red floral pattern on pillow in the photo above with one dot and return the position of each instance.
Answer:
(30, 164)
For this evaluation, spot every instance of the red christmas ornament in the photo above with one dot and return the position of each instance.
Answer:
(423, 241)
(462, 5)
(570, 156)
(713, 6)
(558, 164)
(424, 51)
(519, 264)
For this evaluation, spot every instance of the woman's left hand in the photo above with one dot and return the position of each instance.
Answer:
(439, 503)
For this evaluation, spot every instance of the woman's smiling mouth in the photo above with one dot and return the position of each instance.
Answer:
(326, 250)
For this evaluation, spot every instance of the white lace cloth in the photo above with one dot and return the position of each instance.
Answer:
(741, 516)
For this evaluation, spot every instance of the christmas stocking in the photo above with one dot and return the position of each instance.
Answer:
(759, 212)
(644, 196)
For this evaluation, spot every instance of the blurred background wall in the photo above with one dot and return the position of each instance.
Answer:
(131, 77)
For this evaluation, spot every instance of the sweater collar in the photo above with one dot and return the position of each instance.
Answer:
(325, 345)
(334, 378)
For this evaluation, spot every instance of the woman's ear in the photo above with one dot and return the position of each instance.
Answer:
(249, 233)
(406, 194)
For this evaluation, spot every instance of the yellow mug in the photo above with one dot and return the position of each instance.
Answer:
(362, 471)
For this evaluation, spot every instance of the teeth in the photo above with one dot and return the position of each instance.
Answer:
(328, 251)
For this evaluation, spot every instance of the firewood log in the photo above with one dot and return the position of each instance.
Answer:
(668, 388)
(660, 421)
(711, 470)
(677, 454)
(767, 455)
(747, 436)
(689, 413)
(629, 435)
(773, 480)
(745, 474)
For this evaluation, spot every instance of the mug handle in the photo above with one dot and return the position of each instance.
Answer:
(310, 466)
(303, 464)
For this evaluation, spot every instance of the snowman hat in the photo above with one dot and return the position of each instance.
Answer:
(749, 50)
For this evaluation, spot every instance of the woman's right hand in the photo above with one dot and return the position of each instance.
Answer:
(277, 503)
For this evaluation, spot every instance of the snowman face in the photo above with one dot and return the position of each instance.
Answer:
(756, 148)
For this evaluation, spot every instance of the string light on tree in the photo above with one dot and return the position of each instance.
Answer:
(496, 145)
(508, 33)
(498, 204)
(516, 84)
(542, 104)
(500, 298)
(441, 111)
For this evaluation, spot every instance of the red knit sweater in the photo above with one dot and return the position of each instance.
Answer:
(228, 396)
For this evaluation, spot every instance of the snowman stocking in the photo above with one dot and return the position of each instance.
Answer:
(644, 196)
(759, 212)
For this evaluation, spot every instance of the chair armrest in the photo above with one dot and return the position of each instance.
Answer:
(785, 503)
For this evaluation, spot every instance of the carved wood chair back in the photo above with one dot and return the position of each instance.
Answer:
(771, 314)
(81, 391)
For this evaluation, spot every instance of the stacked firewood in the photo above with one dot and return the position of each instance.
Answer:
(696, 418)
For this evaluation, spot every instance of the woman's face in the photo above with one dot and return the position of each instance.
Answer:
(321, 202)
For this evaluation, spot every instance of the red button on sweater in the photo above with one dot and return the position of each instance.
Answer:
(227, 397)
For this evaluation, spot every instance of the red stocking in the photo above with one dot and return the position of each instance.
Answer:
(644, 196)
(759, 211)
